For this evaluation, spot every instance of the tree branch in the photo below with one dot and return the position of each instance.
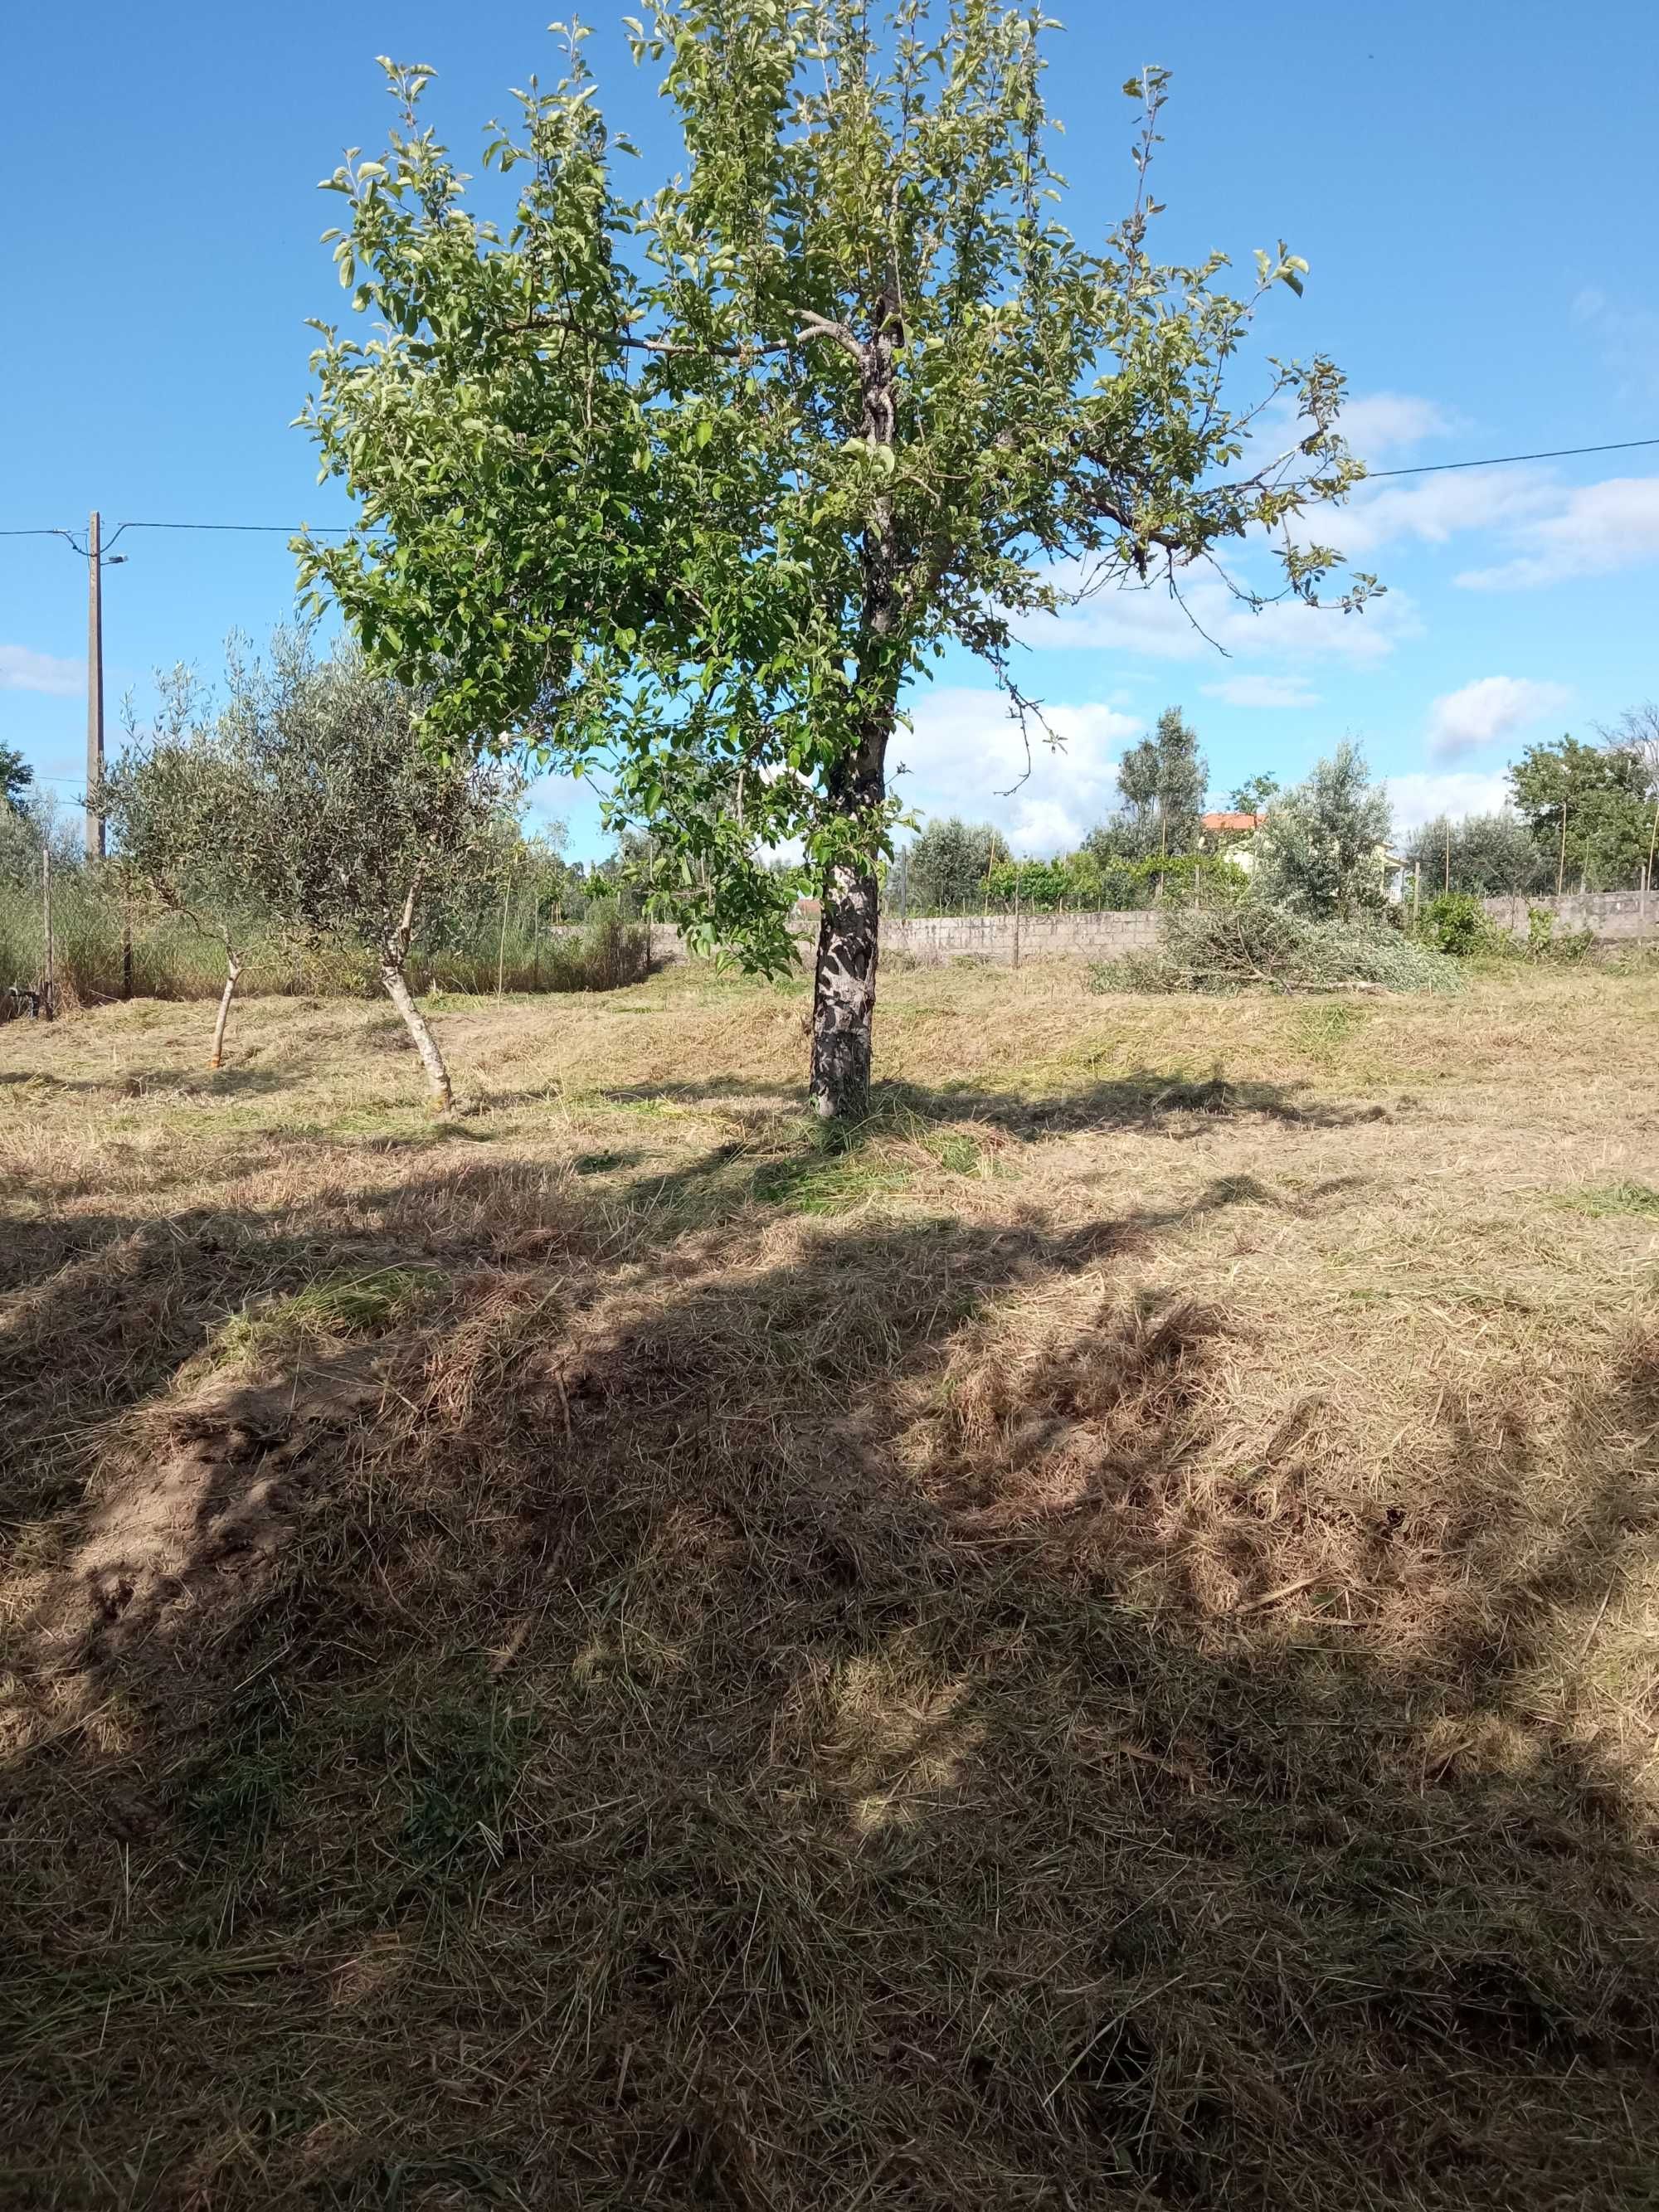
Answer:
(813, 326)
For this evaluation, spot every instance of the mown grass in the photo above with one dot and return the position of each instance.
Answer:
(1092, 1645)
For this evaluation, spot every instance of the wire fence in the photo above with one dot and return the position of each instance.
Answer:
(106, 945)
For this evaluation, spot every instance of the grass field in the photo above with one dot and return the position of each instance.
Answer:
(1093, 1648)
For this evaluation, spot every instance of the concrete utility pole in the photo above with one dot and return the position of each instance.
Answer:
(94, 680)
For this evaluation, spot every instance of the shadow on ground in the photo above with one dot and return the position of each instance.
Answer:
(689, 1723)
(1143, 1098)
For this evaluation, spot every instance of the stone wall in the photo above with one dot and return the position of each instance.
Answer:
(1041, 936)
(938, 938)
(1604, 914)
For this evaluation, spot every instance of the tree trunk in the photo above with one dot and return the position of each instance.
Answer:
(844, 996)
(232, 972)
(426, 1044)
(844, 982)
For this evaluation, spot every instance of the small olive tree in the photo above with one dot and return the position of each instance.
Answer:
(1320, 851)
(363, 828)
(181, 808)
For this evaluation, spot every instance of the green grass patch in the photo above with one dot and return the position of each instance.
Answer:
(1600, 1200)
(355, 1305)
(461, 1763)
(817, 1185)
(1321, 1031)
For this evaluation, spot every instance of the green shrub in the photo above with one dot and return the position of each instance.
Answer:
(1456, 922)
(1543, 944)
(1232, 949)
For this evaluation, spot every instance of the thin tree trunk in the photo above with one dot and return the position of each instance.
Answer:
(394, 954)
(233, 973)
(437, 1075)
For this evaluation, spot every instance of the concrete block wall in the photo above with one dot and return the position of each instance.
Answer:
(937, 939)
(1612, 915)
(940, 938)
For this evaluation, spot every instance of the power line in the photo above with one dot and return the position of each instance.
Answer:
(263, 529)
(277, 529)
(1503, 460)
(1372, 475)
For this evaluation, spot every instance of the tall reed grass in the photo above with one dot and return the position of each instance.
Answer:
(106, 948)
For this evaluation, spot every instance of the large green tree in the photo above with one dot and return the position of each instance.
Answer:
(1588, 808)
(1163, 781)
(1482, 855)
(709, 477)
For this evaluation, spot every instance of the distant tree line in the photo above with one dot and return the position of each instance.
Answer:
(1584, 817)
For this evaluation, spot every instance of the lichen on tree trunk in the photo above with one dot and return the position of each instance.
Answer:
(844, 996)
(426, 1044)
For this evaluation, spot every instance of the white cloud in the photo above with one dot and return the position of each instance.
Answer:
(1422, 798)
(1629, 340)
(1493, 707)
(21, 669)
(1154, 623)
(1595, 529)
(964, 755)
(1381, 422)
(1262, 692)
(1429, 510)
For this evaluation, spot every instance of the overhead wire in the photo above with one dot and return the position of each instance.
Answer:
(346, 529)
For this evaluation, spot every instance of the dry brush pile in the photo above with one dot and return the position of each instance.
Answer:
(1090, 1648)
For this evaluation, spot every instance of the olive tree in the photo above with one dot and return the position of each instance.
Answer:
(852, 394)
(182, 811)
(363, 830)
(1321, 850)
(950, 863)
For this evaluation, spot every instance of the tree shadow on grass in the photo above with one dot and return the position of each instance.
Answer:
(1145, 1098)
(837, 1726)
(170, 1083)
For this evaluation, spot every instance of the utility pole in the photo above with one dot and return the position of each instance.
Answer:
(95, 681)
(1561, 864)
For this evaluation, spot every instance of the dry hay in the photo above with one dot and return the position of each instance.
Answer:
(1093, 1649)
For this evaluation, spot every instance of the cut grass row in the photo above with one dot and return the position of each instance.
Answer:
(1093, 1647)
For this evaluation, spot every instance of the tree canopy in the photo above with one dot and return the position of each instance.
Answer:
(1163, 781)
(950, 863)
(1588, 807)
(16, 776)
(1318, 851)
(1484, 855)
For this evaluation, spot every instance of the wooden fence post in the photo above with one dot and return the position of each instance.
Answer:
(51, 993)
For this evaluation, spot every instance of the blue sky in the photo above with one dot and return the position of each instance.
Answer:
(1474, 187)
